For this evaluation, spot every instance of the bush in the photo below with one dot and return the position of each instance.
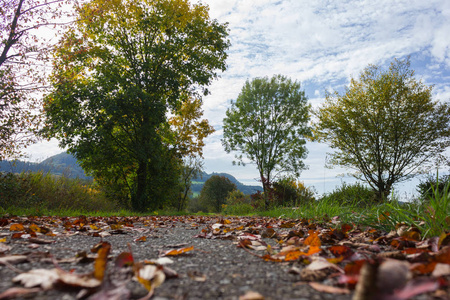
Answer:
(238, 209)
(215, 192)
(431, 184)
(195, 206)
(351, 194)
(289, 192)
(41, 191)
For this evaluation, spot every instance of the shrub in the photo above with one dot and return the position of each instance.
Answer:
(431, 184)
(215, 192)
(41, 191)
(238, 209)
(351, 194)
(289, 192)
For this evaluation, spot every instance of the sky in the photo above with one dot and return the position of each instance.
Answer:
(322, 44)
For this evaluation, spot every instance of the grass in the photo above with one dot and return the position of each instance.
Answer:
(41, 194)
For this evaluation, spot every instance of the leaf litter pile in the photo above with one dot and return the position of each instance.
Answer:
(327, 257)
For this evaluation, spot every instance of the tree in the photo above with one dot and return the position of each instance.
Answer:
(268, 123)
(117, 74)
(22, 54)
(386, 126)
(187, 133)
(215, 192)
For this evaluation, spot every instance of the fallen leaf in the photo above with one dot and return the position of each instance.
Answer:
(149, 276)
(13, 259)
(328, 289)
(17, 292)
(441, 270)
(313, 240)
(175, 252)
(101, 261)
(77, 280)
(16, 227)
(38, 278)
(250, 295)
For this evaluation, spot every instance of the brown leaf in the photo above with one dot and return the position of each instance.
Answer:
(328, 289)
(250, 295)
(17, 292)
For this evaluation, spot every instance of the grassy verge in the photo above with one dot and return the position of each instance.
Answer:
(44, 194)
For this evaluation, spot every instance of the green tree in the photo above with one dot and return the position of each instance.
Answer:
(22, 53)
(187, 133)
(117, 73)
(215, 192)
(268, 123)
(385, 126)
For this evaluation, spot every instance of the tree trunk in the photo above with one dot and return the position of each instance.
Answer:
(141, 196)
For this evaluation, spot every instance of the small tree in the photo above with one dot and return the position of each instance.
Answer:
(386, 126)
(268, 123)
(215, 192)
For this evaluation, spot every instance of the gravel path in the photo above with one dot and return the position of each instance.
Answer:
(216, 269)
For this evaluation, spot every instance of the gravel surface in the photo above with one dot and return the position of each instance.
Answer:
(215, 269)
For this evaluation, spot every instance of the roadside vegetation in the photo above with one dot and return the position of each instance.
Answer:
(46, 194)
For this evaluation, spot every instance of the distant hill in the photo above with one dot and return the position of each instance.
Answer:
(65, 164)
(60, 164)
(197, 183)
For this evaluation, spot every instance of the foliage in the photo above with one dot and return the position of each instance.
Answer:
(237, 197)
(238, 209)
(386, 126)
(351, 194)
(21, 54)
(43, 192)
(215, 192)
(187, 134)
(117, 74)
(267, 123)
(289, 192)
(427, 187)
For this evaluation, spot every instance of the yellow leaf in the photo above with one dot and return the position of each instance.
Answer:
(16, 227)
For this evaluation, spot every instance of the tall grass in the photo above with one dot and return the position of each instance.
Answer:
(40, 193)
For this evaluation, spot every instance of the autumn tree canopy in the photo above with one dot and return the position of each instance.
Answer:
(268, 123)
(386, 126)
(117, 74)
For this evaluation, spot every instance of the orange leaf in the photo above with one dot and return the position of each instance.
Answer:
(175, 252)
(425, 268)
(341, 250)
(313, 240)
(16, 227)
(101, 261)
(293, 255)
(346, 228)
(141, 239)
